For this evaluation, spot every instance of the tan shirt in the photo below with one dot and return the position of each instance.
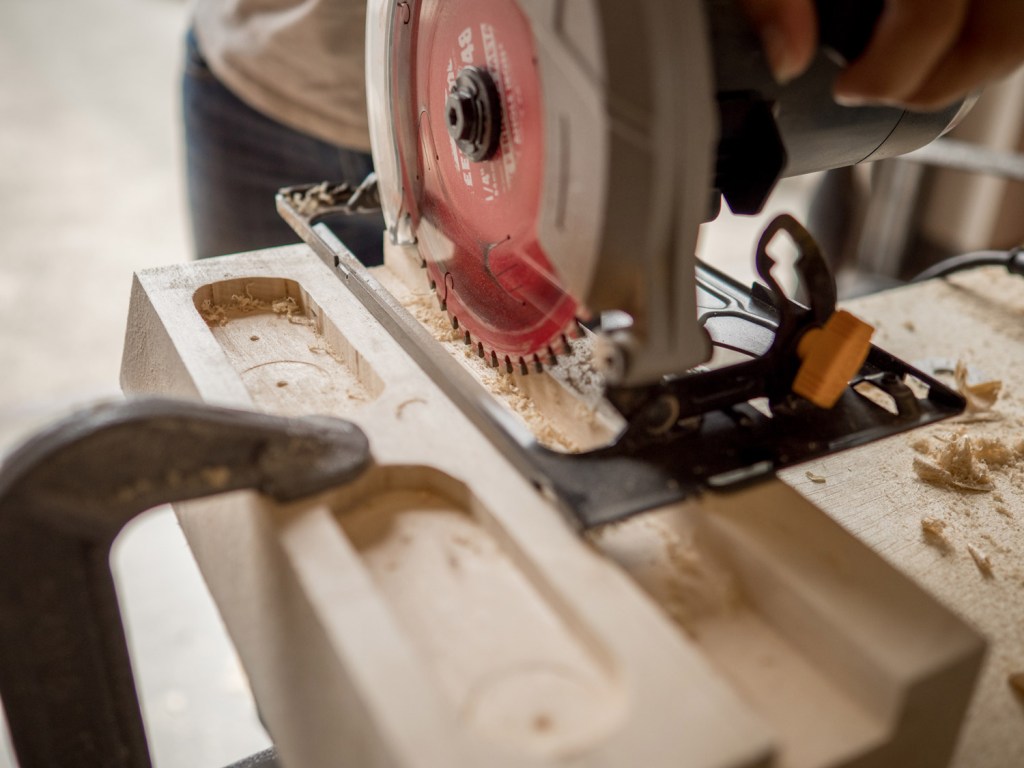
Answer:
(299, 62)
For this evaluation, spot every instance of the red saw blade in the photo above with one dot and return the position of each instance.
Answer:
(475, 221)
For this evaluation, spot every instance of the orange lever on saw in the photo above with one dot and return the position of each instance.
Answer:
(831, 355)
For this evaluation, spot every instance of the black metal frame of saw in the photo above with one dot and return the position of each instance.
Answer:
(702, 430)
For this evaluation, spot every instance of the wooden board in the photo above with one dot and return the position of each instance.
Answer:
(440, 611)
(875, 494)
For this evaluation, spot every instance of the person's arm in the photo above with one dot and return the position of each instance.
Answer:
(924, 54)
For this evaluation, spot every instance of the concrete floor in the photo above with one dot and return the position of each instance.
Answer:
(90, 191)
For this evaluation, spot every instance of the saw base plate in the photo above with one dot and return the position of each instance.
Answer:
(741, 437)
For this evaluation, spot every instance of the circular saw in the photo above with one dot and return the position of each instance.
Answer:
(552, 162)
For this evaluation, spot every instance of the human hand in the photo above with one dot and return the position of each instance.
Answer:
(924, 54)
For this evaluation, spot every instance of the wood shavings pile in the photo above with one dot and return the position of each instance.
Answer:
(969, 463)
(963, 463)
(285, 307)
(424, 308)
(247, 304)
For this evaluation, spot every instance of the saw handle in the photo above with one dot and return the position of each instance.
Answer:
(846, 26)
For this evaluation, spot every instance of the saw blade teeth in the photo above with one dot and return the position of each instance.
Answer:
(468, 338)
(480, 349)
(552, 357)
(538, 366)
(494, 359)
(454, 321)
(508, 365)
(524, 369)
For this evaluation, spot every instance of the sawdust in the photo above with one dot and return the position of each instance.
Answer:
(960, 462)
(923, 445)
(285, 307)
(322, 346)
(247, 304)
(213, 314)
(501, 384)
(955, 465)
(695, 586)
(981, 559)
(934, 531)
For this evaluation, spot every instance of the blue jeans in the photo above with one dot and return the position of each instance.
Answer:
(238, 158)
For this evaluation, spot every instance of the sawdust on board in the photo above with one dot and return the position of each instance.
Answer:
(961, 461)
(970, 460)
(424, 308)
(247, 304)
(981, 559)
(285, 307)
(696, 585)
(674, 565)
(934, 531)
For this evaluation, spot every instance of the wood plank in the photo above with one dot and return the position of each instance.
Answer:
(440, 611)
(593, 668)
(875, 493)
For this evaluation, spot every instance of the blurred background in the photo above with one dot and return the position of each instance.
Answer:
(91, 190)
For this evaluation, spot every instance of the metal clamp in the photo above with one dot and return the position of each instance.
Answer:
(65, 675)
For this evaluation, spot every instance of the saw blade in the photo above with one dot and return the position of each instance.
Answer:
(475, 220)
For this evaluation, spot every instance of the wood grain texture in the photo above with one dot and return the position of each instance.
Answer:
(875, 494)
(440, 612)
(320, 597)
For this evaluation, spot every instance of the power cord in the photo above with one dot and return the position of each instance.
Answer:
(1013, 260)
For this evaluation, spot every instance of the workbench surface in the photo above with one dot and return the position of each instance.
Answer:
(795, 661)
(875, 493)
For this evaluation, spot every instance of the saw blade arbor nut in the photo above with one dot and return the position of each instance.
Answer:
(473, 112)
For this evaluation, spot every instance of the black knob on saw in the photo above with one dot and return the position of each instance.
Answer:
(473, 111)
